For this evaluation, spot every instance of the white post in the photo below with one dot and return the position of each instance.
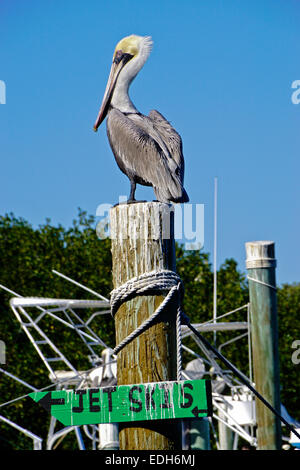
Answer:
(215, 257)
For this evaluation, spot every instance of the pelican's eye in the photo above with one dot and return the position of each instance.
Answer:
(118, 56)
(122, 56)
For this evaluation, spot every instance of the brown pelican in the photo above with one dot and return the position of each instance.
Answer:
(146, 148)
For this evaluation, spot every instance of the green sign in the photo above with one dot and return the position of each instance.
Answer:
(157, 400)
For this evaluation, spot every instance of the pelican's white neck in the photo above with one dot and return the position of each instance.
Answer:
(120, 98)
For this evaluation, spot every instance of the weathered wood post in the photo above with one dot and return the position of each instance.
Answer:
(142, 240)
(261, 264)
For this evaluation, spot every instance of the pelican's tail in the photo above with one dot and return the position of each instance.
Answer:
(183, 198)
(164, 195)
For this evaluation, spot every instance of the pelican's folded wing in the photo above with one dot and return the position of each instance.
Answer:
(171, 138)
(141, 158)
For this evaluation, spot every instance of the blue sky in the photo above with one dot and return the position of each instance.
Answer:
(220, 71)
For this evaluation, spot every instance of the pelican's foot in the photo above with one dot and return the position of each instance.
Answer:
(129, 201)
(133, 201)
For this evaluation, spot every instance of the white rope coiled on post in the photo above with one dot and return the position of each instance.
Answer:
(152, 283)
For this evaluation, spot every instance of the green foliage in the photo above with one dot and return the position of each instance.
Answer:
(27, 257)
(289, 331)
(195, 270)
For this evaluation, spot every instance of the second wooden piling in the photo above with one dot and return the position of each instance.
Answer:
(261, 264)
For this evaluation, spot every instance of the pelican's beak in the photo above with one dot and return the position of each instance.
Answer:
(118, 63)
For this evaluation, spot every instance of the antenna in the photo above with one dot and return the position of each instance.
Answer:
(215, 256)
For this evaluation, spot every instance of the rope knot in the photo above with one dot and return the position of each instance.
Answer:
(153, 283)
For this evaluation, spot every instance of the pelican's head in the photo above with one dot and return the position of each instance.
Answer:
(129, 57)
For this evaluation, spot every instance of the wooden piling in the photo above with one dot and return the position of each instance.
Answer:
(261, 264)
(142, 240)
